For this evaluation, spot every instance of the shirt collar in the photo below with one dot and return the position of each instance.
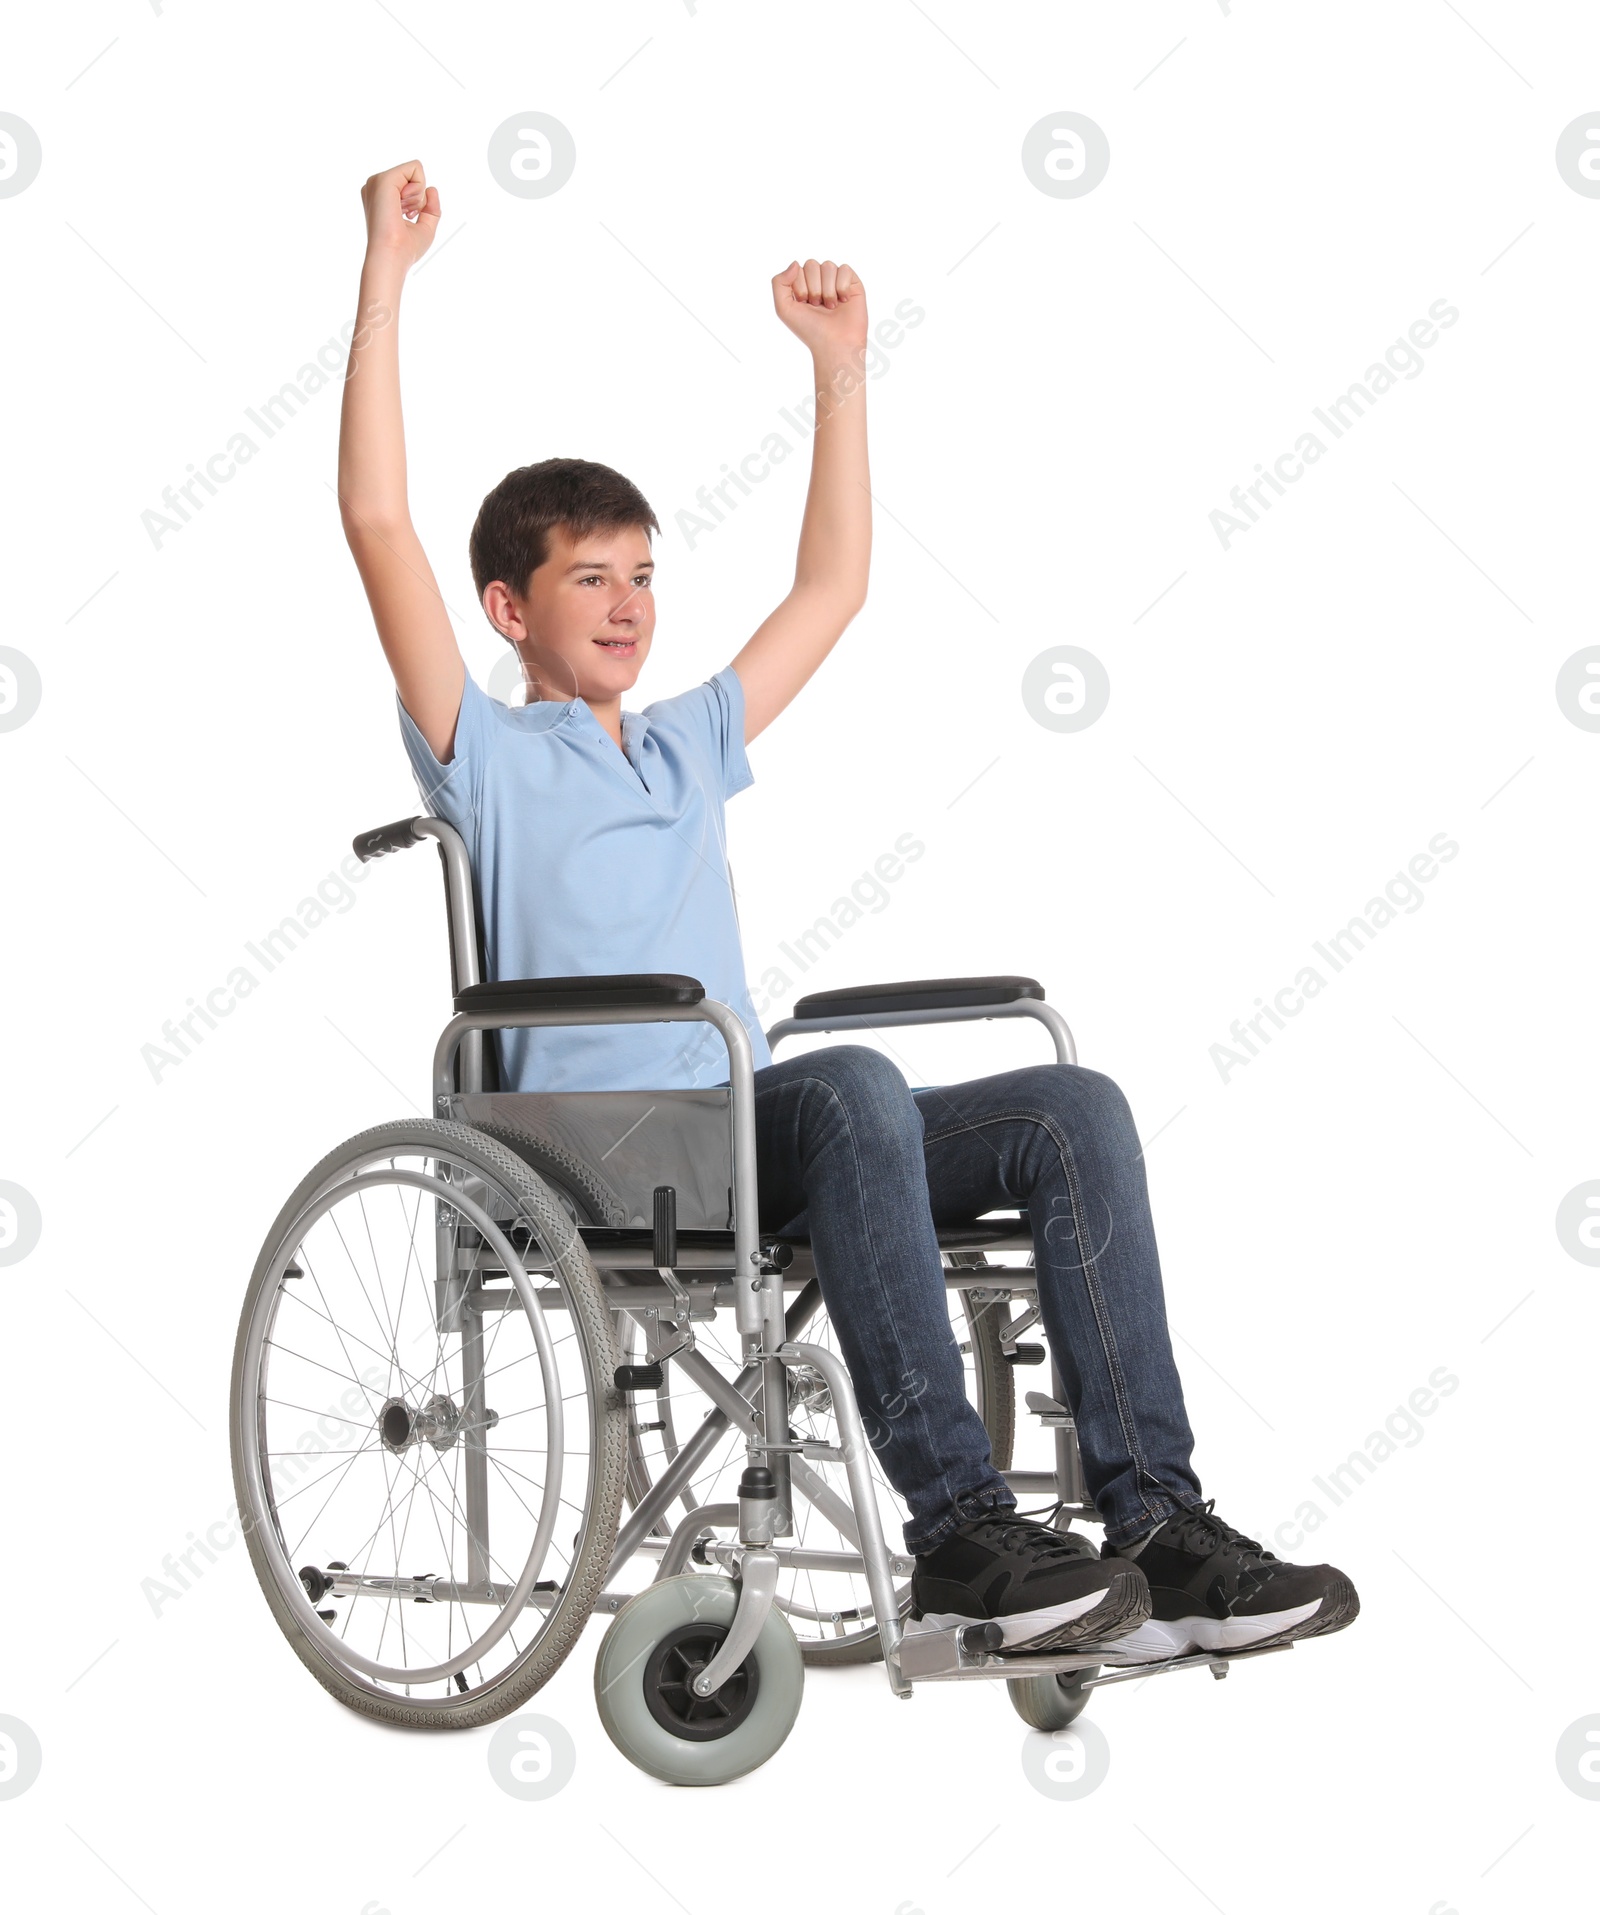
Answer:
(635, 730)
(547, 714)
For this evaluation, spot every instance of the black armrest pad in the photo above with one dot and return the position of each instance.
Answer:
(919, 994)
(368, 845)
(624, 992)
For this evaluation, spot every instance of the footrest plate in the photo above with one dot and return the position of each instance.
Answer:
(957, 1655)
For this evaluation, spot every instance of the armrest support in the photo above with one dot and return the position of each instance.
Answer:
(947, 1000)
(662, 999)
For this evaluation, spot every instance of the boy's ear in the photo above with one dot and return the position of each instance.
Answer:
(500, 608)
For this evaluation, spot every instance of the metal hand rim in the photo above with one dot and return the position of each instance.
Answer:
(289, 1584)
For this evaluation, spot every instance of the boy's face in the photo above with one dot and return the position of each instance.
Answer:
(584, 626)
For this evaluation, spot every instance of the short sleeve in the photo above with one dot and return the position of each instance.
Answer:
(453, 791)
(736, 772)
(711, 717)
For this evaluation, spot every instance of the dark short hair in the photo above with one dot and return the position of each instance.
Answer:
(510, 538)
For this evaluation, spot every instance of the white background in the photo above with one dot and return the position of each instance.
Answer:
(1373, 663)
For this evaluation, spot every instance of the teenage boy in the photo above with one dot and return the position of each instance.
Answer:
(596, 839)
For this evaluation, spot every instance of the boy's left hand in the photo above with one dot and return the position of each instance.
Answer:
(823, 305)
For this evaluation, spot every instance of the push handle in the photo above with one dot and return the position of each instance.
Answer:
(368, 845)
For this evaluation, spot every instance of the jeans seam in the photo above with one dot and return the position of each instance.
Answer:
(1108, 1344)
(1172, 1504)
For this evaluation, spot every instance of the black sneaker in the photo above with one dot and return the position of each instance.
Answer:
(1215, 1589)
(1045, 1588)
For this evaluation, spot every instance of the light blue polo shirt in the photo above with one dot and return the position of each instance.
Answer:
(589, 861)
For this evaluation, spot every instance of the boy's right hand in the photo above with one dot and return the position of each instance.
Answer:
(402, 214)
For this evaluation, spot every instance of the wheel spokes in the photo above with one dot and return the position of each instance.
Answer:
(378, 1477)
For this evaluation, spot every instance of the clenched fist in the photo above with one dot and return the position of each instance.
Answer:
(402, 213)
(823, 305)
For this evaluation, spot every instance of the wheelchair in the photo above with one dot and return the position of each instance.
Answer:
(492, 1361)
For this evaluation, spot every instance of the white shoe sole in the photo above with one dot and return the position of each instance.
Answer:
(1155, 1641)
(1017, 1632)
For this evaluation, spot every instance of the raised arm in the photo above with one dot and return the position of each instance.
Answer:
(825, 306)
(402, 215)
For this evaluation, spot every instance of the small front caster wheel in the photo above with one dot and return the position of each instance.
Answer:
(644, 1673)
(1051, 1702)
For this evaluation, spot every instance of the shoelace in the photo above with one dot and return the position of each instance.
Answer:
(1208, 1533)
(1020, 1537)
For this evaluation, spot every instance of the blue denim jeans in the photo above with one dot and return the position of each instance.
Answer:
(848, 1152)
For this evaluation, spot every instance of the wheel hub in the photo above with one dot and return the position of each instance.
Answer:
(438, 1421)
(808, 1391)
(669, 1685)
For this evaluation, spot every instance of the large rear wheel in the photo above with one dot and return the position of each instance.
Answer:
(428, 1444)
